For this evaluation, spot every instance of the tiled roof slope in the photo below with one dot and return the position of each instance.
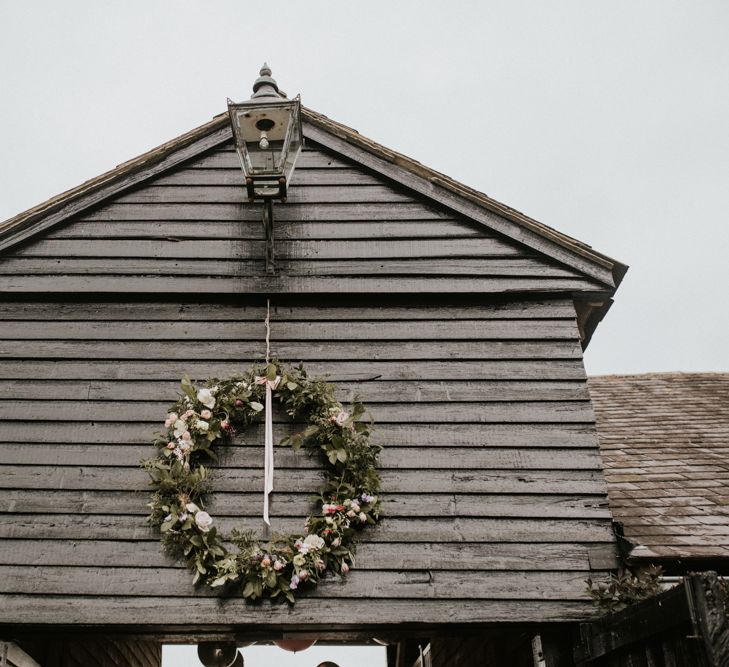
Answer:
(664, 440)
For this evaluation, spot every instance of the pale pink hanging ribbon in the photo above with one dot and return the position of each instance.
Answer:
(268, 420)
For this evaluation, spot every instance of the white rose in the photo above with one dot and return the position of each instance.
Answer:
(314, 541)
(203, 521)
(205, 397)
(180, 428)
(192, 507)
(202, 425)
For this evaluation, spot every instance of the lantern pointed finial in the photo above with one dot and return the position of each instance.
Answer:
(265, 85)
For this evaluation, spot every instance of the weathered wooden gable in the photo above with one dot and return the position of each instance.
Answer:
(342, 230)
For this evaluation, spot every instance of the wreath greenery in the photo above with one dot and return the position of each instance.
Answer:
(207, 416)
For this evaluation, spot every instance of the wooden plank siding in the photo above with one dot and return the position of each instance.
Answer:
(342, 230)
(494, 494)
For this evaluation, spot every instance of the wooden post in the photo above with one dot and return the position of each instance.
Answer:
(709, 603)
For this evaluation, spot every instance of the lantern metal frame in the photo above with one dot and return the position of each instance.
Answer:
(267, 170)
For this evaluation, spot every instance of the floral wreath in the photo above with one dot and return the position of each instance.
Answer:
(207, 416)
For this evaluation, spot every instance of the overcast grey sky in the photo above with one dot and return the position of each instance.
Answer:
(607, 121)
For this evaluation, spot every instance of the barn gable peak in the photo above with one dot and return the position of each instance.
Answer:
(594, 276)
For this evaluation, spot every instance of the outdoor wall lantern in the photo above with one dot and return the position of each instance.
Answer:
(267, 131)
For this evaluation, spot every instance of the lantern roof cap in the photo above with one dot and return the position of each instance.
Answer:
(265, 85)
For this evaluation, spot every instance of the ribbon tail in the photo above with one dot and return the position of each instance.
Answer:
(268, 456)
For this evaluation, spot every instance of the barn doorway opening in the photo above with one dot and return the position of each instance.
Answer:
(269, 655)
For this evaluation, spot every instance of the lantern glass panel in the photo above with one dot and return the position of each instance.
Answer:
(294, 143)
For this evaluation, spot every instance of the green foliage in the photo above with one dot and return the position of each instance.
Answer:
(205, 417)
(617, 592)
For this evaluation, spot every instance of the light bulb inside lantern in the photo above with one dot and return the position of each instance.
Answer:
(263, 142)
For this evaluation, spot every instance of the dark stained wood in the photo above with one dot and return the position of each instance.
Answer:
(296, 480)
(686, 625)
(403, 505)
(518, 435)
(236, 194)
(283, 212)
(356, 234)
(191, 311)
(464, 205)
(251, 456)
(316, 613)
(160, 161)
(382, 392)
(324, 249)
(427, 584)
(253, 230)
(301, 331)
(573, 411)
(327, 285)
(454, 323)
(345, 371)
(404, 531)
(329, 175)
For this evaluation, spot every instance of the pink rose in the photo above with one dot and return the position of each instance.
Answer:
(186, 435)
(278, 566)
(170, 445)
(238, 402)
(319, 564)
(206, 414)
(266, 562)
(303, 575)
(351, 514)
(345, 568)
(225, 425)
(337, 542)
(363, 517)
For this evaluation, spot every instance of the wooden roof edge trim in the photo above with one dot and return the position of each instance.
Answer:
(27, 223)
(601, 267)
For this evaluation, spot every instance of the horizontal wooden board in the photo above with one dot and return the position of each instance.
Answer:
(298, 504)
(285, 248)
(253, 230)
(236, 194)
(281, 310)
(290, 285)
(382, 330)
(228, 159)
(377, 584)
(303, 351)
(253, 212)
(411, 530)
(250, 455)
(131, 411)
(439, 556)
(316, 613)
(343, 371)
(382, 392)
(234, 176)
(420, 435)
(473, 268)
(295, 480)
